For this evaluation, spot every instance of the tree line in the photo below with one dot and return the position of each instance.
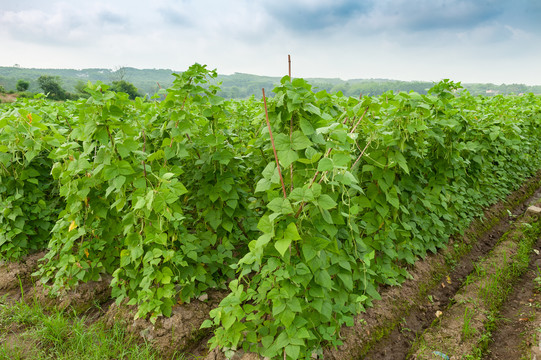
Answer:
(69, 83)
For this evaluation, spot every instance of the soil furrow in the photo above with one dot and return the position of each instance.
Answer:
(516, 332)
(464, 328)
(388, 330)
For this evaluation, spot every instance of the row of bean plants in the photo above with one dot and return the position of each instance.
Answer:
(300, 220)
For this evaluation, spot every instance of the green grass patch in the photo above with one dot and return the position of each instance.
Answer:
(30, 331)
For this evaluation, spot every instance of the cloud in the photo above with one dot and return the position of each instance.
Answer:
(112, 18)
(62, 24)
(317, 15)
(444, 14)
(174, 17)
(402, 39)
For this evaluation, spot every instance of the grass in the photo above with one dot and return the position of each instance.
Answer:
(467, 330)
(28, 331)
(501, 284)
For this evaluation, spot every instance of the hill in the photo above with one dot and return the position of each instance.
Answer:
(237, 85)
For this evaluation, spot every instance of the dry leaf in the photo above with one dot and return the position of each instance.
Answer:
(438, 314)
(72, 226)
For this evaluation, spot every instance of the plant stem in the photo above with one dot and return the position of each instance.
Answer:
(272, 142)
(112, 141)
(362, 153)
(358, 121)
(144, 163)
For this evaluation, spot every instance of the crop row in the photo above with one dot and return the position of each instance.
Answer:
(178, 196)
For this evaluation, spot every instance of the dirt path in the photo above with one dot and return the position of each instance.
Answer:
(516, 333)
(388, 330)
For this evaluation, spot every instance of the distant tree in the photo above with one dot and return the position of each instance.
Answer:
(2, 89)
(51, 85)
(119, 73)
(80, 87)
(22, 85)
(125, 87)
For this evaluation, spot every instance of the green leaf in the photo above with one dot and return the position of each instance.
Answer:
(287, 157)
(308, 251)
(326, 202)
(264, 224)
(280, 206)
(312, 155)
(216, 100)
(269, 170)
(402, 162)
(129, 145)
(287, 317)
(119, 181)
(347, 280)
(341, 159)
(323, 278)
(124, 168)
(281, 142)
(140, 203)
(392, 197)
(166, 275)
(167, 176)
(291, 232)
(299, 141)
(306, 127)
(293, 351)
(263, 185)
(282, 245)
(325, 164)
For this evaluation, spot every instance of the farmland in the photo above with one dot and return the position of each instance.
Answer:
(272, 225)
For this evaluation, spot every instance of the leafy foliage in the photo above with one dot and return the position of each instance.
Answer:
(125, 87)
(22, 85)
(177, 197)
(51, 86)
(28, 195)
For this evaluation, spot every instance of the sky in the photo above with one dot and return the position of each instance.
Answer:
(485, 41)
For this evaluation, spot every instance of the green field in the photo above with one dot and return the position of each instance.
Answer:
(298, 208)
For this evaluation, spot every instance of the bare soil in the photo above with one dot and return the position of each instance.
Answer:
(5, 98)
(178, 333)
(516, 332)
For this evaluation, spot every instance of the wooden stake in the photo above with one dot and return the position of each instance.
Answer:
(290, 131)
(289, 63)
(272, 142)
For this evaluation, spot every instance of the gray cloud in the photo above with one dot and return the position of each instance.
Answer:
(404, 39)
(174, 17)
(112, 18)
(445, 14)
(316, 15)
(62, 24)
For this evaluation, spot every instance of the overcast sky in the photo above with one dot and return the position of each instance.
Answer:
(464, 40)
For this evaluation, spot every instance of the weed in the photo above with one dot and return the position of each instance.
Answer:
(467, 330)
(62, 335)
(537, 280)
